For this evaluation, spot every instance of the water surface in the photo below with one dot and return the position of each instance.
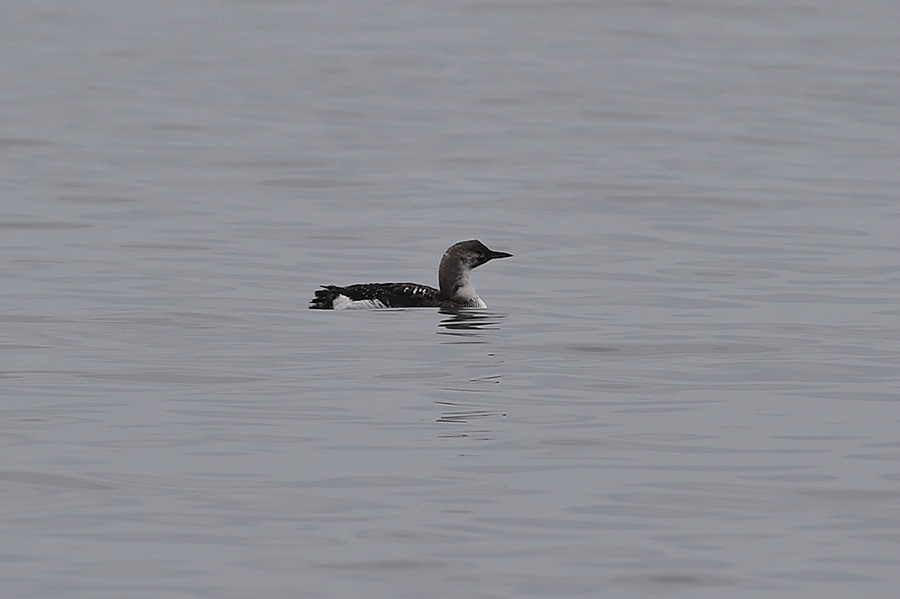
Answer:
(686, 381)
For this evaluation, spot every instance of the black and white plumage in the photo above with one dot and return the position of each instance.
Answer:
(455, 290)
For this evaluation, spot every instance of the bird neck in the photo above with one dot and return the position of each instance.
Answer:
(455, 285)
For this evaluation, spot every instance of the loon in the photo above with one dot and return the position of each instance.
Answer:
(455, 291)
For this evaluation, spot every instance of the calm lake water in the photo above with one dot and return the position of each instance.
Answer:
(687, 382)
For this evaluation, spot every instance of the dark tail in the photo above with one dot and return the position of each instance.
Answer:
(324, 299)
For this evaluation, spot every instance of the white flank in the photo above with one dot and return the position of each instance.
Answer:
(342, 302)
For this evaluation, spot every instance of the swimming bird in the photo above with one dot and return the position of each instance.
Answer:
(455, 290)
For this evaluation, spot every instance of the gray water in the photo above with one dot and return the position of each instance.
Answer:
(686, 383)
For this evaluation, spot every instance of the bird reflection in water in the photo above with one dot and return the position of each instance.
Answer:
(470, 322)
